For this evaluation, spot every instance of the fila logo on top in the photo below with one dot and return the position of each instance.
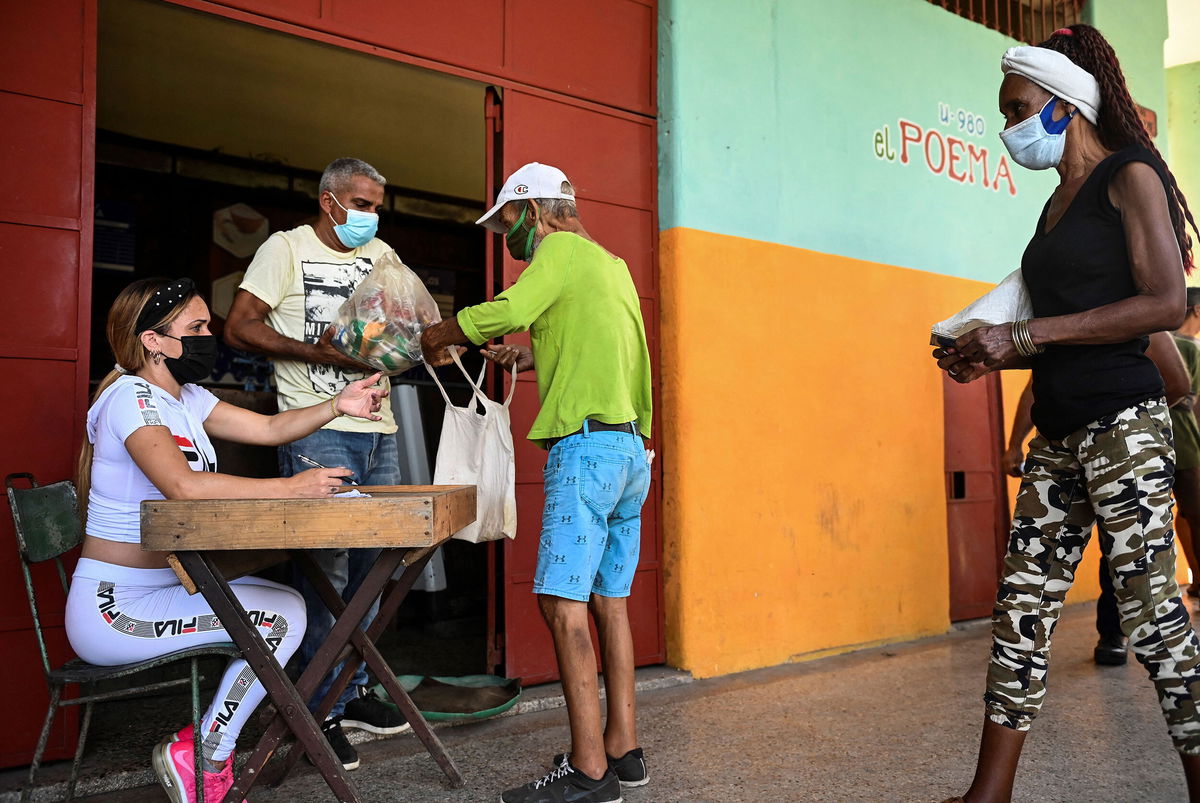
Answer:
(521, 189)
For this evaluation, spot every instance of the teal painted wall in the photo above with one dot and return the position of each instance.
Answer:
(770, 111)
(1136, 30)
(1183, 101)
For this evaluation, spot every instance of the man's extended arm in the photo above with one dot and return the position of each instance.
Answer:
(436, 339)
(246, 328)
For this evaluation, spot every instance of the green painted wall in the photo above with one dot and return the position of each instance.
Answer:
(1183, 102)
(773, 112)
(1136, 29)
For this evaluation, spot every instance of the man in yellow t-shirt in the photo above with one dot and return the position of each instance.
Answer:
(283, 309)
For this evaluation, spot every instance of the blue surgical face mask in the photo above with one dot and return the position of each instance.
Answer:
(1037, 143)
(359, 228)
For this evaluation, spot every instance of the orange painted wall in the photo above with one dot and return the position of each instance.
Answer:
(805, 502)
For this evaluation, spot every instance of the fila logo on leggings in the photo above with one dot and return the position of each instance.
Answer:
(222, 718)
(144, 628)
(266, 620)
(105, 596)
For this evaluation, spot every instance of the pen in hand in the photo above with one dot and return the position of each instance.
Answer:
(315, 464)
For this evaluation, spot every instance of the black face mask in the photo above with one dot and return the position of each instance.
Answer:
(197, 360)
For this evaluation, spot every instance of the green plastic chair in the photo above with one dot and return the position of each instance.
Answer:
(47, 526)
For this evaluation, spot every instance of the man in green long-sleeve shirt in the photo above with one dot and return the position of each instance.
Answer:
(581, 308)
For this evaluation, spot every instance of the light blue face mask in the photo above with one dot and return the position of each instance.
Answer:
(1038, 143)
(359, 228)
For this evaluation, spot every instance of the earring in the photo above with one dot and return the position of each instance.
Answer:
(157, 357)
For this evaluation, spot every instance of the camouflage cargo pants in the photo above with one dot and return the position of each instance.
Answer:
(1115, 473)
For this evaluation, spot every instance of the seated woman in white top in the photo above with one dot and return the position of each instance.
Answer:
(148, 438)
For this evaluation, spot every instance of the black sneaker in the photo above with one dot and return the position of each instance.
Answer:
(565, 784)
(345, 752)
(1111, 650)
(369, 713)
(630, 768)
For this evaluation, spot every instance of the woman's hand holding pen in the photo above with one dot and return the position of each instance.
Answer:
(362, 399)
(318, 483)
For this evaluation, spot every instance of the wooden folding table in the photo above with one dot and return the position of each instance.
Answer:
(213, 541)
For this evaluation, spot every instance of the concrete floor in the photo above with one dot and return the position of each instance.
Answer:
(894, 724)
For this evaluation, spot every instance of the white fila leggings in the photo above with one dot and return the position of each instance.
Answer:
(118, 615)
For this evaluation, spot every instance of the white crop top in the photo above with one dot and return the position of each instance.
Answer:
(118, 485)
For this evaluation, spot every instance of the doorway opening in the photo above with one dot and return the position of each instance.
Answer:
(210, 135)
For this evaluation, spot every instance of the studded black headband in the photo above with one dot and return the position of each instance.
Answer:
(163, 302)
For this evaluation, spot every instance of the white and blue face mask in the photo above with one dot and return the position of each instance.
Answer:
(1037, 143)
(359, 228)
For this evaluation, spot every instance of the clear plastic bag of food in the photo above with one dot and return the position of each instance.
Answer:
(380, 324)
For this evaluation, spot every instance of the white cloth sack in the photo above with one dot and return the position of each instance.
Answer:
(478, 450)
(1006, 302)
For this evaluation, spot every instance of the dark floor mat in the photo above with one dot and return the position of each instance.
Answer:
(446, 698)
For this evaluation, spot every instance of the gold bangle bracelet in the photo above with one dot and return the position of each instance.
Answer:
(1034, 348)
(1016, 339)
(333, 407)
(1023, 339)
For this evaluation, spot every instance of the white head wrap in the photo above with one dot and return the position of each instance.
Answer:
(1057, 74)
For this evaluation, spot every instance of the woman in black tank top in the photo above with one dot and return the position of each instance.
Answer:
(1104, 269)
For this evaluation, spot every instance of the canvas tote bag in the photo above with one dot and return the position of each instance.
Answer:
(477, 450)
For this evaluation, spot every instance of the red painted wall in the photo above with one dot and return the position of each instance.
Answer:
(610, 160)
(47, 100)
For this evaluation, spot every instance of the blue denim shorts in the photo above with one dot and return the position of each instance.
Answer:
(596, 483)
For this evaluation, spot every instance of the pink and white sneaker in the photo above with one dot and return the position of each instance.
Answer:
(174, 764)
(175, 768)
(216, 784)
(184, 734)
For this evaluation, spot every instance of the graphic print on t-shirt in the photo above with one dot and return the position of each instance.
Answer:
(197, 460)
(145, 402)
(326, 286)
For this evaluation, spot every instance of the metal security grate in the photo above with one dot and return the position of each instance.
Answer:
(1029, 21)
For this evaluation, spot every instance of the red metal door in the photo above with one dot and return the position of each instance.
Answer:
(47, 100)
(610, 158)
(976, 494)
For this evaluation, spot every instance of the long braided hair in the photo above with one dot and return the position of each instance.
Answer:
(1119, 125)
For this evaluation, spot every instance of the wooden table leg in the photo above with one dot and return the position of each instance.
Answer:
(388, 606)
(322, 661)
(293, 713)
(364, 643)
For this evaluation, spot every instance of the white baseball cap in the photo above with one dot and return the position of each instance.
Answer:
(534, 180)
